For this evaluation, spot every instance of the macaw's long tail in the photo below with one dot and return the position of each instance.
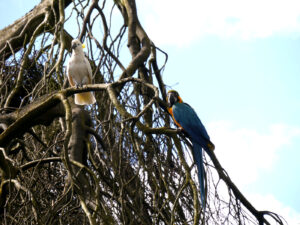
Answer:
(198, 158)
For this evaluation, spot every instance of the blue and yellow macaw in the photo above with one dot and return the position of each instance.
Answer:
(186, 118)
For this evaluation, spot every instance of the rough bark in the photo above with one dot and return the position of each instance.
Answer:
(118, 161)
(17, 35)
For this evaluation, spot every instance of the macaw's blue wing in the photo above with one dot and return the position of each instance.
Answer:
(190, 122)
(197, 152)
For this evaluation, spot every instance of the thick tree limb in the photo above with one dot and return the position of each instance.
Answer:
(17, 35)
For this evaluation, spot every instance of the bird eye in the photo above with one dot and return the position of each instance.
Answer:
(168, 96)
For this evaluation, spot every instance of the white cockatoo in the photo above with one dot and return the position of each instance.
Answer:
(79, 72)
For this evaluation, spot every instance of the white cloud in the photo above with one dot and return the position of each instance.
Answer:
(270, 203)
(179, 23)
(244, 153)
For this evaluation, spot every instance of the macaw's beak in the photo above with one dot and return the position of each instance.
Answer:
(171, 99)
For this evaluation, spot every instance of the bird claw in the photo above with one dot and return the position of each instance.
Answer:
(79, 86)
(180, 129)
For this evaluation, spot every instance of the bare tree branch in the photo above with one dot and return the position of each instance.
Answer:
(118, 161)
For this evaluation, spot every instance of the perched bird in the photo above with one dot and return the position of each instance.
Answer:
(186, 118)
(79, 73)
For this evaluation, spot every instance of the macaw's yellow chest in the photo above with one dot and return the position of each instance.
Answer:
(171, 112)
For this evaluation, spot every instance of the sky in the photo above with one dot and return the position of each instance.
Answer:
(236, 62)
